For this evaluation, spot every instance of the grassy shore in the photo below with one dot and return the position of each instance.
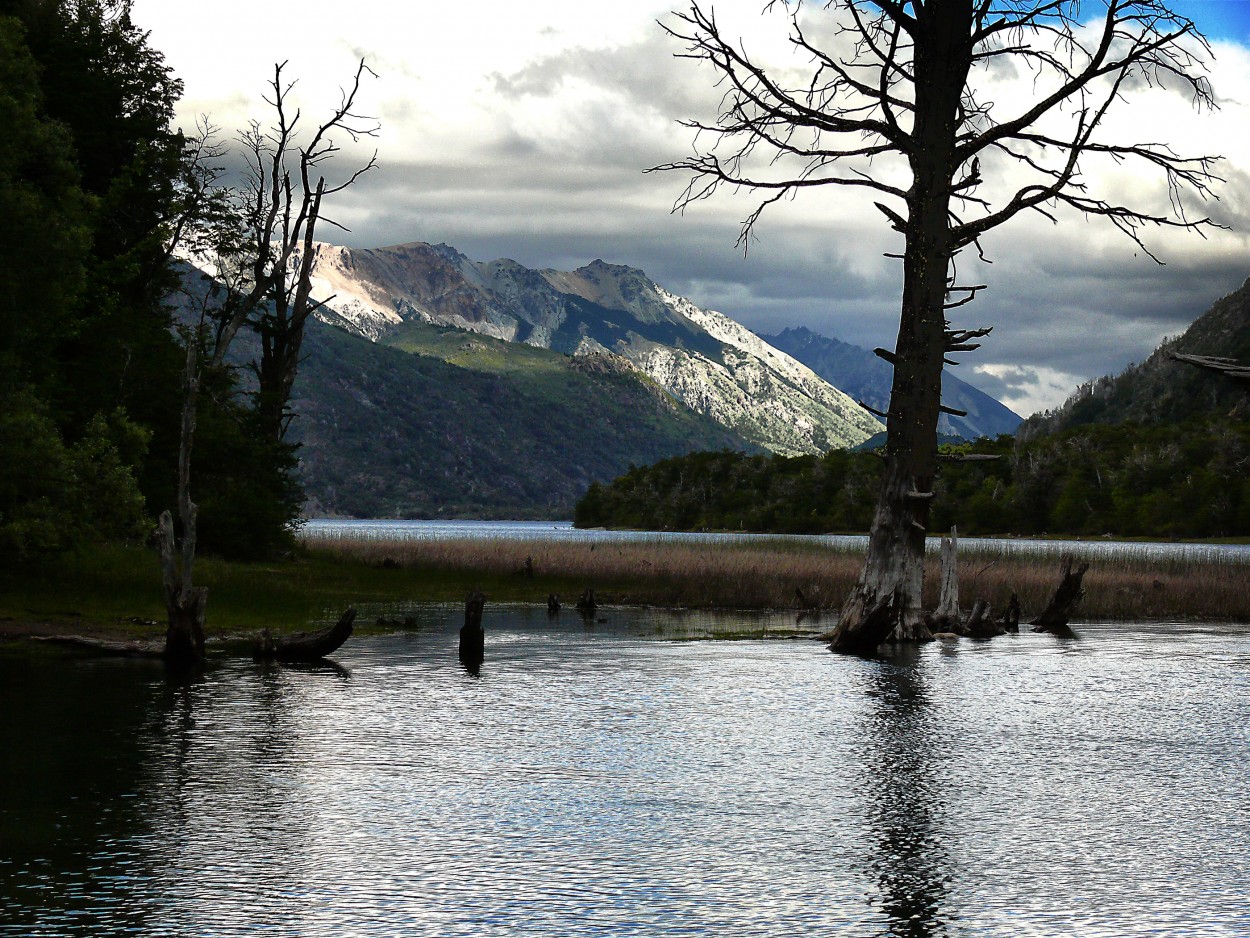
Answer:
(115, 592)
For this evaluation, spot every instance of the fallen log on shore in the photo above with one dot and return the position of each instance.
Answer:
(107, 646)
(306, 646)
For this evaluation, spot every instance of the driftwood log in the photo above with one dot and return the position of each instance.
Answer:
(306, 646)
(1067, 595)
(472, 638)
(107, 646)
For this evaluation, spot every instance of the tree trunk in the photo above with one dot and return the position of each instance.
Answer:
(185, 603)
(893, 572)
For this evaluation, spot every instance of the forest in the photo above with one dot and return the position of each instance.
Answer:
(96, 188)
(1173, 480)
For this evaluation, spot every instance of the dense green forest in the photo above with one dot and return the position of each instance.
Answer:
(95, 182)
(1164, 480)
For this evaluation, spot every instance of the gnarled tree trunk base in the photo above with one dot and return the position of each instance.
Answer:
(872, 625)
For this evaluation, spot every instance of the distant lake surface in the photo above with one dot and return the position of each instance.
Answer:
(564, 531)
(608, 780)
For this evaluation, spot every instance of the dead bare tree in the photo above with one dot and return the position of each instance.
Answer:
(890, 104)
(282, 205)
(259, 244)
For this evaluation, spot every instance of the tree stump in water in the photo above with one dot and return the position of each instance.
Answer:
(586, 604)
(472, 638)
(307, 646)
(184, 638)
(947, 618)
(980, 624)
(1010, 622)
(1064, 602)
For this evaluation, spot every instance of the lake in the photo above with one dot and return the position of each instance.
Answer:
(606, 779)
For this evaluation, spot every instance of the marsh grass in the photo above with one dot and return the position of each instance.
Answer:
(769, 574)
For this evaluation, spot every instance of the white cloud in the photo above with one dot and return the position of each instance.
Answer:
(522, 130)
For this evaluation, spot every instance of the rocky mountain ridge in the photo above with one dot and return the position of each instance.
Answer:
(701, 357)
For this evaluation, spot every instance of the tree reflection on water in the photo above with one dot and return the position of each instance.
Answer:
(902, 757)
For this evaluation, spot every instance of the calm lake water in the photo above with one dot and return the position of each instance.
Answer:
(605, 780)
(564, 531)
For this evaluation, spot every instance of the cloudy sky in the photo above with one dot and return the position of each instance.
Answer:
(522, 130)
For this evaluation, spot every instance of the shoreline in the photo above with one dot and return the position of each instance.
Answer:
(113, 594)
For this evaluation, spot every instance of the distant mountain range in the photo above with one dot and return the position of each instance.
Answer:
(438, 386)
(1160, 390)
(865, 377)
(705, 360)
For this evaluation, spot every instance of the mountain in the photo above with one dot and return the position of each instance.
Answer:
(702, 358)
(864, 376)
(1160, 390)
(446, 424)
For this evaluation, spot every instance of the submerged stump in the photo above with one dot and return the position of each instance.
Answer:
(472, 638)
(586, 603)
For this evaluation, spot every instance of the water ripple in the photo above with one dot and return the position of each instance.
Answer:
(595, 783)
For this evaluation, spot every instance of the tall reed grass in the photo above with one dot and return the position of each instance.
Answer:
(1127, 584)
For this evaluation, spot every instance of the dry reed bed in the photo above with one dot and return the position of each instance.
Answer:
(770, 575)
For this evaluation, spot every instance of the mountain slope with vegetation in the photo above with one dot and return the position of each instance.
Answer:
(1162, 450)
(1160, 390)
(702, 358)
(1186, 480)
(443, 423)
